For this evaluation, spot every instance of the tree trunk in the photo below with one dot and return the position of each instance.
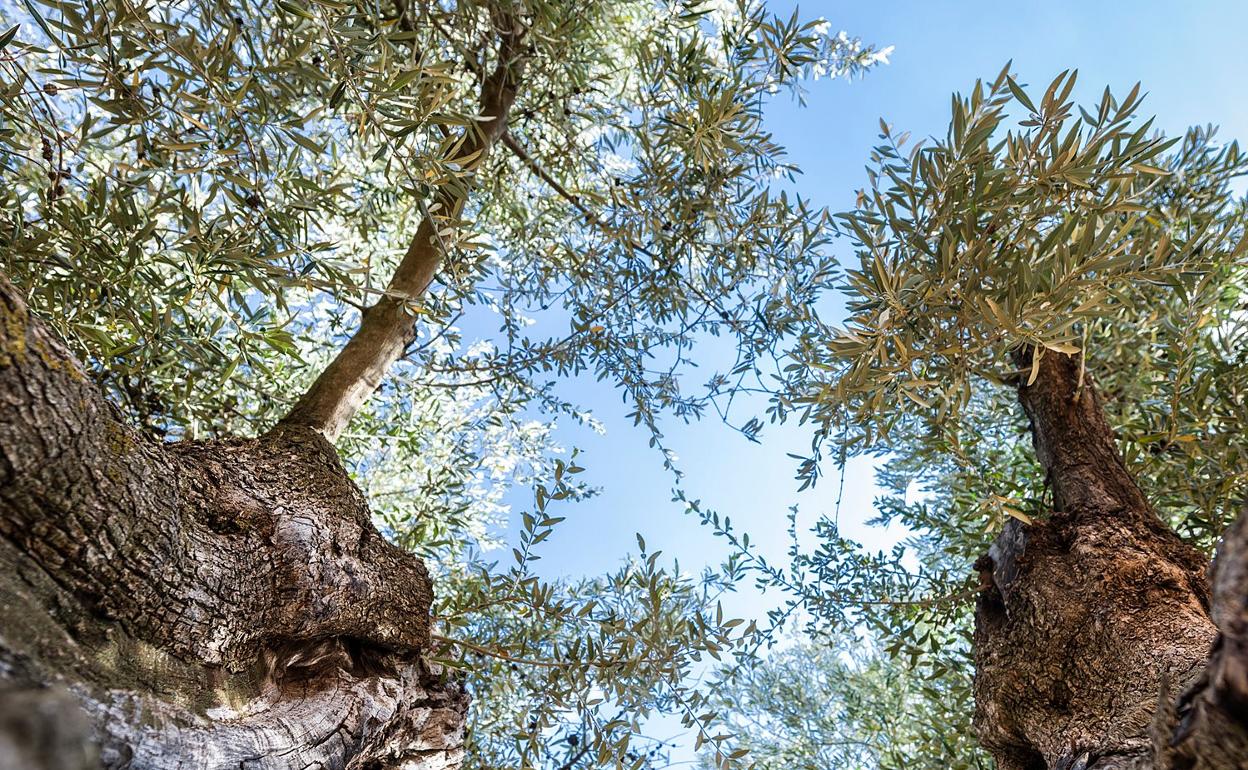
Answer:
(201, 604)
(219, 604)
(1102, 640)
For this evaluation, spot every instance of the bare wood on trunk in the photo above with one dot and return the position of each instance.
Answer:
(1093, 638)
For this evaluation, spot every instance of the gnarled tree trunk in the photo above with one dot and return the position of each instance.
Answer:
(203, 604)
(1102, 640)
(219, 604)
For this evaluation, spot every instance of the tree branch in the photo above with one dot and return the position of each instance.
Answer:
(1073, 442)
(388, 326)
(510, 143)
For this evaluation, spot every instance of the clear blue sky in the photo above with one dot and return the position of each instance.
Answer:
(1192, 62)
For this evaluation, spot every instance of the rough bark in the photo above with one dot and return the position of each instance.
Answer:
(203, 604)
(388, 327)
(1099, 642)
(219, 604)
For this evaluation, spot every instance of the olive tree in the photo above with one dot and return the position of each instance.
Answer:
(1045, 336)
(244, 244)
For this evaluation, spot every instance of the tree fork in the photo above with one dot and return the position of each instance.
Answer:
(202, 604)
(218, 604)
(1098, 642)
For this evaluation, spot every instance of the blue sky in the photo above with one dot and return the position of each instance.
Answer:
(1193, 66)
(1191, 60)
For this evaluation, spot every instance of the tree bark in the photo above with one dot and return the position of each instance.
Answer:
(1101, 641)
(201, 604)
(219, 604)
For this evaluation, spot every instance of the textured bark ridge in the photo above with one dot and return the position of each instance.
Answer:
(1099, 642)
(224, 604)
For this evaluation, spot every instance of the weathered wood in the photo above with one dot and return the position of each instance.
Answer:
(1093, 635)
(205, 604)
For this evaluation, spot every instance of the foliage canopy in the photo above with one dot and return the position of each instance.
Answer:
(1034, 223)
(202, 196)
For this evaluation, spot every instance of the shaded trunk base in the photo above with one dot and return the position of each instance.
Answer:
(77, 691)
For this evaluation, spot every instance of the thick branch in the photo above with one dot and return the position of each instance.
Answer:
(388, 327)
(1073, 442)
(227, 601)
